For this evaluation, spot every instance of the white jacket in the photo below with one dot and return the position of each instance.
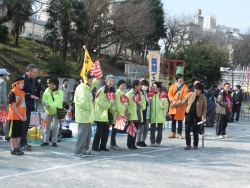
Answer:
(3, 92)
(66, 93)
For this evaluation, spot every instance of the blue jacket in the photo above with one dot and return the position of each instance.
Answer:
(210, 106)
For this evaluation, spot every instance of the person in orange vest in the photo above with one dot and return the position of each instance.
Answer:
(16, 115)
(177, 92)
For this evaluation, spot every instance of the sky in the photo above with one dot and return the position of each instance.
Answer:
(231, 13)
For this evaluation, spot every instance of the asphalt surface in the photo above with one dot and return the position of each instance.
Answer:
(221, 163)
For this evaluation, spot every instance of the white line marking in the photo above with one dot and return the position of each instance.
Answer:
(103, 159)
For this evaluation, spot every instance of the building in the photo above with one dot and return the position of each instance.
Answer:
(209, 23)
(198, 19)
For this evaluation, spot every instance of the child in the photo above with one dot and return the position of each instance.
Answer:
(72, 108)
(17, 114)
(68, 116)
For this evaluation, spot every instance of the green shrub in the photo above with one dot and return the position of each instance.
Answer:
(55, 66)
(4, 33)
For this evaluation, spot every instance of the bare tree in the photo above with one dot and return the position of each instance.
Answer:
(115, 24)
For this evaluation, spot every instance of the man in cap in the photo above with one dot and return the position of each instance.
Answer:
(4, 76)
(84, 115)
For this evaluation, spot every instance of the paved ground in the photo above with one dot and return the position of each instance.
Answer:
(222, 163)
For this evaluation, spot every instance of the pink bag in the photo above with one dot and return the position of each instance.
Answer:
(34, 118)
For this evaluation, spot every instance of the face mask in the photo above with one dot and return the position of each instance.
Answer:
(7, 78)
(144, 88)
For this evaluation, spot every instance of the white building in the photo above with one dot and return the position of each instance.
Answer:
(209, 23)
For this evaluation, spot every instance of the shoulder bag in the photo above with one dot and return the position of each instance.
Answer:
(60, 111)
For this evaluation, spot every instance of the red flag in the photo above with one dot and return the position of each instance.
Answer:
(96, 69)
(131, 129)
(120, 122)
(4, 116)
(44, 123)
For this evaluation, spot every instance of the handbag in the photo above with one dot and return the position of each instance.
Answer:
(60, 111)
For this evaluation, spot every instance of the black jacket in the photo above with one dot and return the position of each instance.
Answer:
(144, 112)
(238, 97)
(29, 90)
(37, 89)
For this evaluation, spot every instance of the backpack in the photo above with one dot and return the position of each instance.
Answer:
(66, 133)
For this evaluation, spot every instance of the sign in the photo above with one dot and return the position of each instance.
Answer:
(110, 96)
(151, 93)
(137, 98)
(124, 99)
(154, 66)
(163, 95)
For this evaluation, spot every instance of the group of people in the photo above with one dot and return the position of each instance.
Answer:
(108, 104)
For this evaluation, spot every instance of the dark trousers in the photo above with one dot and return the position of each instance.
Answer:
(26, 124)
(102, 134)
(210, 118)
(113, 136)
(174, 125)
(131, 139)
(221, 125)
(191, 122)
(236, 109)
(159, 134)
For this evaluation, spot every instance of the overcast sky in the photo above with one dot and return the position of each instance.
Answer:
(231, 13)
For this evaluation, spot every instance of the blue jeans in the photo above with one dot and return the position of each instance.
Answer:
(36, 103)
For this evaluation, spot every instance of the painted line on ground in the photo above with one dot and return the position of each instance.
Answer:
(105, 159)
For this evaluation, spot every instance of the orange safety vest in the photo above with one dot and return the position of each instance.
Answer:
(20, 103)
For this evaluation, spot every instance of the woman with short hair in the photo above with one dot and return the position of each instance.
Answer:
(196, 111)
(52, 99)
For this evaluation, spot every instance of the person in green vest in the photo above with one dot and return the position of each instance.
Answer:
(158, 110)
(104, 109)
(84, 115)
(120, 108)
(52, 99)
(137, 104)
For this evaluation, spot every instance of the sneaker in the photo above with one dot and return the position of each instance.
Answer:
(225, 136)
(216, 136)
(25, 147)
(158, 144)
(180, 136)
(187, 148)
(88, 152)
(16, 151)
(139, 144)
(117, 148)
(80, 155)
(220, 137)
(172, 135)
(195, 147)
(152, 145)
(54, 144)
(143, 144)
(44, 144)
(21, 153)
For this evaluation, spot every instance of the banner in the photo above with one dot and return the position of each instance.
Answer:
(154, 66)
(87, 64)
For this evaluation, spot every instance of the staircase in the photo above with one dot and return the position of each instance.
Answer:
(9, 62)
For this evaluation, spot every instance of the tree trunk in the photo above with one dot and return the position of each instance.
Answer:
(17, 36)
